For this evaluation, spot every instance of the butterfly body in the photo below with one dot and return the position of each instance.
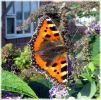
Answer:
(49, 51)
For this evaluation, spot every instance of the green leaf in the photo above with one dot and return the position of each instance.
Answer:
(45, 82)
(91, 66)
(70, 16)
(13, 83)
(80, 13)
(87, 76)
(98, 98)
(95, 47)
(41, 87)
(88, 91)
(94, 13)
(93, 89)
(75, 6)
(96, 59)
(9, 47)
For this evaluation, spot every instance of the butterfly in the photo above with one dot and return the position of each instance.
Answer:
(49, 52)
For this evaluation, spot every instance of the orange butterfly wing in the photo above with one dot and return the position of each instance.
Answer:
(47, 50)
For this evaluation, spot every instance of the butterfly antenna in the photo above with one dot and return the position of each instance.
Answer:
(74, 35)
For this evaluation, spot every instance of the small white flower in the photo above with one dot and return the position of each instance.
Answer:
(94, 9)
(71, 98)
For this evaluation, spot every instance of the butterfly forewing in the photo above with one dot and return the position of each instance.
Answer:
(49, 50)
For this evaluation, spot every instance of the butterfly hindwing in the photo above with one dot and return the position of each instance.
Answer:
(49, 50)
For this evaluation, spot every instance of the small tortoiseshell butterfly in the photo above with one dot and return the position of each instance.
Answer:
(49, 51)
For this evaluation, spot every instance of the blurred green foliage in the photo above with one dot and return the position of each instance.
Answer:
(75, 6)
(18, 61)
(24, 59)
(18, 57)
(87, 85)
(7, 51)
